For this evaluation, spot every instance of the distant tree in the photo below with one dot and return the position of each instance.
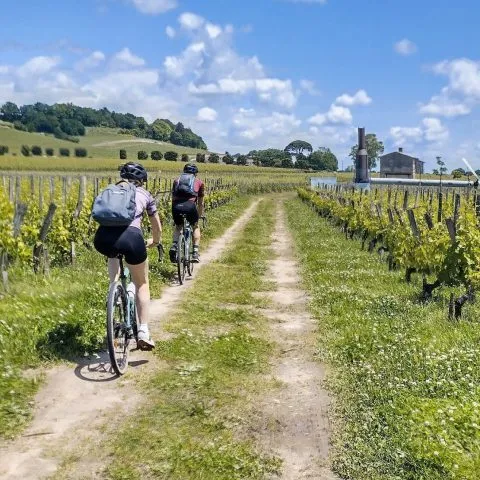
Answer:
(49, 152)
(270, 157)
(442, 169)
(123, 154)
(375, 149)
(81, 152)
(241, 160)
(72, 127)
(214, 158)
(156, 155)
(19, 126)
(142, 155)
(228, 159)
(64, 152)
(37, 151)
(3, 149)
(302, 163)
(25, 150)
(460, 171)
(298, 146)
(435, 171)
(287, 163)
(10, 112)
(200, 158)
(159, 130)
(171, 156)
(323, 159)
(477, 172)
(185, 157)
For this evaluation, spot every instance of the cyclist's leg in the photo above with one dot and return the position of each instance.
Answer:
(132, 245)
(177, 211)
(113, 269)
(193, 218)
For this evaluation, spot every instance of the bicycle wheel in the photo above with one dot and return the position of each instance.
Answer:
(188, 256)
(181, 259)
(118, 341)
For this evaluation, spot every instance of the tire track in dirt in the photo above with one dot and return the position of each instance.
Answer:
(294, 419)
(75, 403)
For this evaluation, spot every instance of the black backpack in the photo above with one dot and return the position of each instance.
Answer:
(185, 186)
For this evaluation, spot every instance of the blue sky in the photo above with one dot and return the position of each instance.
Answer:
(258, 74)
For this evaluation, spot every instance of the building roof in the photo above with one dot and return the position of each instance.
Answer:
(401, 154)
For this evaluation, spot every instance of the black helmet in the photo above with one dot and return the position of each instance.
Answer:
(133, 171)
(190, 168)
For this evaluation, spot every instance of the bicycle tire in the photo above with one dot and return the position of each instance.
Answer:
(181, 259)
(190, 264)
(118, 341)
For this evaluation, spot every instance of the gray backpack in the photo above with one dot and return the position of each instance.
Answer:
(185, 186)
(115, 206)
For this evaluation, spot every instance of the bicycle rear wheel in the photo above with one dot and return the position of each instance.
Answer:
(189, 262)
(118, 338)
(181, 259)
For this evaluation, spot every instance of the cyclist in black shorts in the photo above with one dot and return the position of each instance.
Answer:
(129, 241)
(187, 198)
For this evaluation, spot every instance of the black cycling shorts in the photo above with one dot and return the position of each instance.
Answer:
(128, 241)
(187, 208)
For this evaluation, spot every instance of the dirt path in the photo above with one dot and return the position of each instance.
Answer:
(77, 401)
(295, 420)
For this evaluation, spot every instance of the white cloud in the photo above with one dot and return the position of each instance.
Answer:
(335, 115)
(441, 105)
(207, 114)
(170, 31)
(213, 30)
(431, 130)
(434, 130)
(154, 7)
(359, 98)
(127, 57)
(464, 76)
(405, 47)
(92, 61)
(191, 21)
(402, 135)
(309, 87)
(38, 66)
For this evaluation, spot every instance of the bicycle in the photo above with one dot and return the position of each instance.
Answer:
(185, 250)
(121, 320)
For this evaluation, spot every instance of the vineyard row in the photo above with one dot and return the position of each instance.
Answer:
(432, 233)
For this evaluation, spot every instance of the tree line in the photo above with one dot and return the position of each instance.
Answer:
(68, 122)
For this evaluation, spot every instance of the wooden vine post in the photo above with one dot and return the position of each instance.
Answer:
(76, 214)
(40, 254)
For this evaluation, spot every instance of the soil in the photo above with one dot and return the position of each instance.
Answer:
(77, 401)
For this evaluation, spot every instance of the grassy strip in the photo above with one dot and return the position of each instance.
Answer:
(406, 380)
(198, 403)
(63, 316)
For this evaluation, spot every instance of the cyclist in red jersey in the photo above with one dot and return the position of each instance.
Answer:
(188, 194)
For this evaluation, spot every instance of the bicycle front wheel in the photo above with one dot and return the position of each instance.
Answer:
(181, 259)
(118, 341)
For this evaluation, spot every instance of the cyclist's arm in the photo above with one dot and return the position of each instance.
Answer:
(200, 200)
(200, 207)
(156, 228)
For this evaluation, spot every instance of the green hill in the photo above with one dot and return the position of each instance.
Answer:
(99, 142)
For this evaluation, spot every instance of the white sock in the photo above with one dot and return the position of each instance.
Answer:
(143, 328)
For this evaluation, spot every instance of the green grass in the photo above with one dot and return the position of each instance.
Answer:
(98, 142)
(191, 426)
(61, 316)
(405, 378)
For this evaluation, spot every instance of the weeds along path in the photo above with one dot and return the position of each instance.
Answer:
(294, 417)
(75, 404)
